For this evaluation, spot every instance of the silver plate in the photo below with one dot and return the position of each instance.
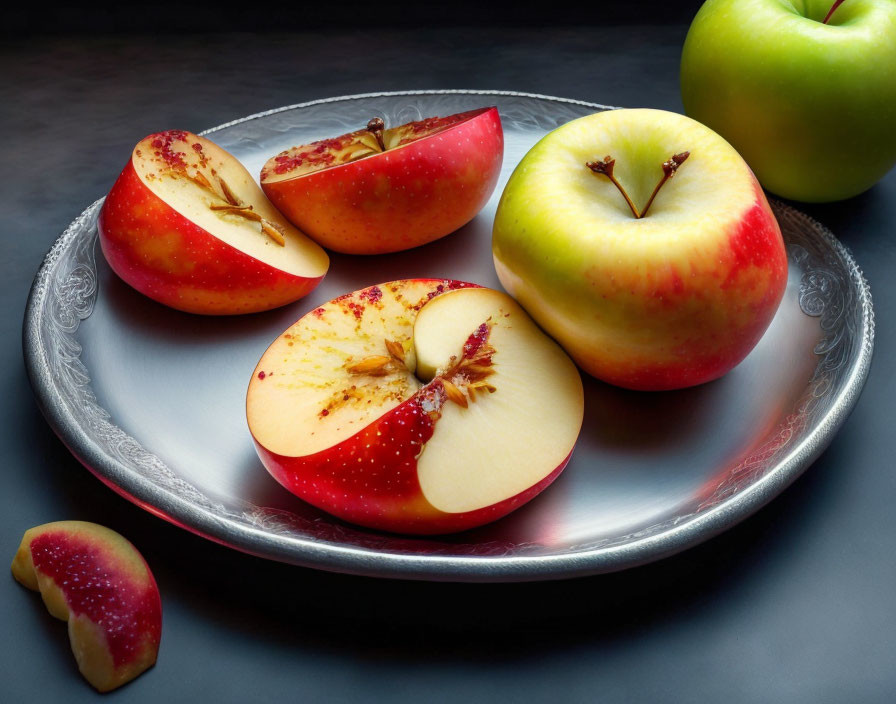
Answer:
(152, 400)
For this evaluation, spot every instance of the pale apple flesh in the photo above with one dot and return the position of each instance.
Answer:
(352, 195)
(187, 225)
(94, 579)
(412, 409)
(673, 299)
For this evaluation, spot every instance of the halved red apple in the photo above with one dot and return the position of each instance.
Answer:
(381, 190)
(96, 580)
(417, 406)
(187, 225)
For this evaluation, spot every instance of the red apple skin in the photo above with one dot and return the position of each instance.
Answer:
(388, 498)
(401, 198)
(166, 256)
(106, 585)
(754, 245)
(738, 289)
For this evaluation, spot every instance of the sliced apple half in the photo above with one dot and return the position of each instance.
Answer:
(186, 225)
(383, 189)
(417, 406)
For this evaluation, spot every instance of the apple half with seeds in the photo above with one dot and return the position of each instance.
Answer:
(187, 225)
(417, 406)
(96, 580)
(383, 189)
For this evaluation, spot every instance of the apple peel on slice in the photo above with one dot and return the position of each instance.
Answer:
(97, 581)
(417, 406)
(187, 225)
(385, 189)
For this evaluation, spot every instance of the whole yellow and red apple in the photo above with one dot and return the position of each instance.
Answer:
(417, 406)
(649, 282)
(186, 225)
(382, 189)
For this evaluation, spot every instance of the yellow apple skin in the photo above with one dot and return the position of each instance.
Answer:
(643, 305)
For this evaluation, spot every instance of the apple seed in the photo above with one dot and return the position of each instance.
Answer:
(375, 126)
(375, 365)
(396, 350)
(454, 394)
(228, 194)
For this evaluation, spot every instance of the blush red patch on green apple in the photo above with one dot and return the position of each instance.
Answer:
(756, 242)
(94, 579)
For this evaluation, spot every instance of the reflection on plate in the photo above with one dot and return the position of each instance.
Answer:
(152, 400)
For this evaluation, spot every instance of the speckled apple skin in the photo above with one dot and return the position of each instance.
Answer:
(370, 479)
(169, 258)
(401, 198)
(96, 580)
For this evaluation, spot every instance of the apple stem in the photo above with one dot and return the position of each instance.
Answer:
(670, 166)
(605, 167)
(834, 7)
(375, 126)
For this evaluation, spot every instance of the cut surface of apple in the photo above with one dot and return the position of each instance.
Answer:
(188, 226)
(384, 189)
(417, 406)
(93, 578)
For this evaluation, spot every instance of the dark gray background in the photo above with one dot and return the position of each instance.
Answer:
(796, 604)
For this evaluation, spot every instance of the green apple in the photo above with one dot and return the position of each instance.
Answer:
(649, 282)
(811, 105)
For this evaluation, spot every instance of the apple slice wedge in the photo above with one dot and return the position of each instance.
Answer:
(96, 580)
(417, 406)
(382, 189)
(186, 225)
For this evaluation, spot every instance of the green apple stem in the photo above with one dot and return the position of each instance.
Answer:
(605, 167)
(834, 7)
(375, 126)
(670, 166)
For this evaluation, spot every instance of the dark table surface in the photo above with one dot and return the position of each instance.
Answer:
(796, 604)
